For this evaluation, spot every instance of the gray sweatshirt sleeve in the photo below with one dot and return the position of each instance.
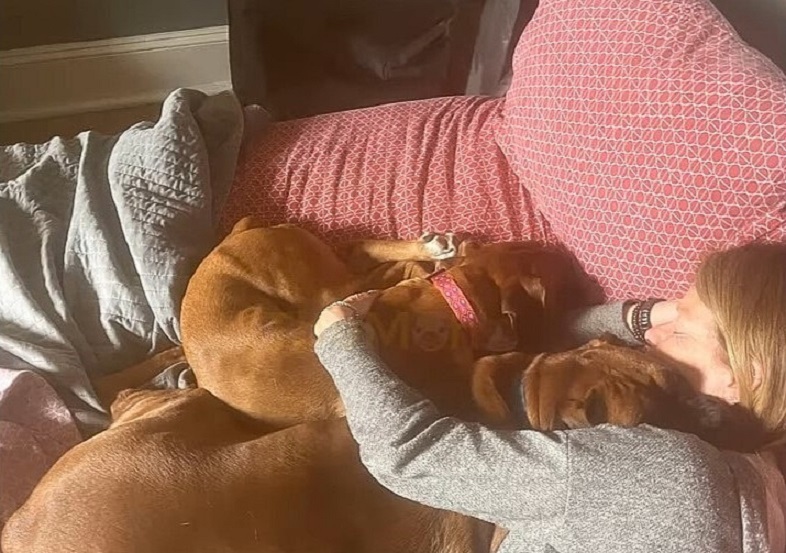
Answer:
(584, 325)
(597, 489)
(440, 461)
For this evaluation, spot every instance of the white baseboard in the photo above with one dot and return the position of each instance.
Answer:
(63, 79)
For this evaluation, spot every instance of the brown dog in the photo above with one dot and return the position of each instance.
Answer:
(249, 310)
(180, 471)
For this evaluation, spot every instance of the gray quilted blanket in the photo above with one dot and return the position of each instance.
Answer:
(98, 237)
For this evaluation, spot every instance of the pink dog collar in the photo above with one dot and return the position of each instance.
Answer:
(457, 300)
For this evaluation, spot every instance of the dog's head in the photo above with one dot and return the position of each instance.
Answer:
(521, 291)
(605, 382)
(600, 382)
(515, 292)
(597, 383)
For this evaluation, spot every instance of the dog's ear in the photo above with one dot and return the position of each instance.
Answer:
(602, 405)
(247, 223)
(498, 389)
(490, 402)
(518, 297)
(534, 287)
(468, 247)
(515, 293)
(617, 400)
(502, 332)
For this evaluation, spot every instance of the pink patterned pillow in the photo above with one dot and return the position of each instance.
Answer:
(647, 133)
(392, 171)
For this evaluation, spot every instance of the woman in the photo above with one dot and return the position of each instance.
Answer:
(604, 488)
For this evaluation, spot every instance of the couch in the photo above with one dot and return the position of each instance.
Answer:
(639, 134)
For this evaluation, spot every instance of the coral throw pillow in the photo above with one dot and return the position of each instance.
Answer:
(647, 133)
(392, 171)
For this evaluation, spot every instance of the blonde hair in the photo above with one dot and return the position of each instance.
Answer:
(745, 288)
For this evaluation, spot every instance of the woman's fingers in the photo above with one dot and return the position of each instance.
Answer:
(357, 305)
(664, 312)
(361, 302)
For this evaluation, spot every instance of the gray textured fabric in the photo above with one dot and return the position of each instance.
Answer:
(601, 489)
(175, 377)
(584, 325)
(99, 235)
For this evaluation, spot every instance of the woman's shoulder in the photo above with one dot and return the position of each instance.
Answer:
(661, 463)
(644, 437)
(663, 481)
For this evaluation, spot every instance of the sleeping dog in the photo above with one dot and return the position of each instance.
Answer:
(249, 310)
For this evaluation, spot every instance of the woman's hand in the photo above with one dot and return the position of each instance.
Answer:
(686, 332)
(355, 306)
(664, 312)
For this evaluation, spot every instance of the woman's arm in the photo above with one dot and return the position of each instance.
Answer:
(586, 324)
(501, 477)
(589, 323)
(638, 488)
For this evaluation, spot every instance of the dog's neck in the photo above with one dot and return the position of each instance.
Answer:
(454, 296)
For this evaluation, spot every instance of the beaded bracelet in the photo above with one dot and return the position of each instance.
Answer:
(641, 318)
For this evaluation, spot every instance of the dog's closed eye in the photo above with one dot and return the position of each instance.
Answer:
(595, 407)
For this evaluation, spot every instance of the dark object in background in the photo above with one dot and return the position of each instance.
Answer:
(302, 57)
(760, 23)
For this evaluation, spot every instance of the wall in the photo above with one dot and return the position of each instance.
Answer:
(35, 22)
(761, 23)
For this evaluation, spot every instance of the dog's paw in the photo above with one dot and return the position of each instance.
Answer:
(440, 246)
